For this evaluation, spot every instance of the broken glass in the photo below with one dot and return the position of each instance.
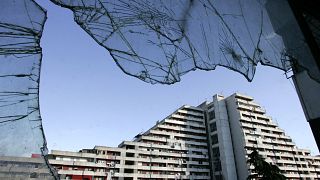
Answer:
(297, 46)
(158, 41)
(22, 142)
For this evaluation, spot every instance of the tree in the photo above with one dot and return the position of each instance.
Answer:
(262, 169)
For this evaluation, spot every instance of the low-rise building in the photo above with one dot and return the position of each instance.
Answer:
(18, 168)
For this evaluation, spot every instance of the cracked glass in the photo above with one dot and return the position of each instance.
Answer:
(154, 41)
(22, 143)
(181, 36)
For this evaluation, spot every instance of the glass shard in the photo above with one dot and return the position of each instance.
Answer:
(158, 41)
(22, 141)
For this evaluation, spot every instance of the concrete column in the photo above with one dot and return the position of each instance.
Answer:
(225, 140)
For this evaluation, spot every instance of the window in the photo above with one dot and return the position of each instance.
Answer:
(216, 152)
(129, 154)
(34, 175)
(213, 127)
(212, 115)
(129, 162)
(214, 139)
(217, 166)
(128, 171)
(130, 147)
(210, 106)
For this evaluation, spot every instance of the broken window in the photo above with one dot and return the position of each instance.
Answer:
(156, 41)
(181, 36)
(21, 132)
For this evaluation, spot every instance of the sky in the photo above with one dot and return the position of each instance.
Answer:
(86, 100)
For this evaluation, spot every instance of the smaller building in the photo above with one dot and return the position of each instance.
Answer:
(17, 168)
(98, 163)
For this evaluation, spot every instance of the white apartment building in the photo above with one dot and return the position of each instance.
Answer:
(211, 141)
(175, 148)
(236, 125)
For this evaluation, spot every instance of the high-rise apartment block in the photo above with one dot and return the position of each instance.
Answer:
(237, 125)
(210, 141)
(175, 148)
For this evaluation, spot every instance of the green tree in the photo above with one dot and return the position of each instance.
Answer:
(262, 169)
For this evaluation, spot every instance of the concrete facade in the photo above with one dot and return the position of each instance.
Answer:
(18, 168)
(210, 141)
(175, 148)
(250, 128)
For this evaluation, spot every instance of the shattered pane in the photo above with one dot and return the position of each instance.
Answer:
(297, 49)
(22, 140)
(158, 41)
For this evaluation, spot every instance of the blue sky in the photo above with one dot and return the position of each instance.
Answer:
(87, 100)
